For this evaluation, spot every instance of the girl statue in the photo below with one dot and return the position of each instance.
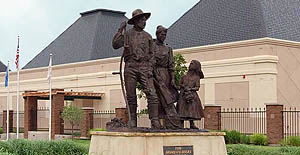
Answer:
(189, 105)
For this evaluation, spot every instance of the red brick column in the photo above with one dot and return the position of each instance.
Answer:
(212, 117)
(10, 120)
(87, 122)
(121, 113)
(56, 119)
(274, 123)
(30, 115)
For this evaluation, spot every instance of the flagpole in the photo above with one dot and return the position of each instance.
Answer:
(50, 95)
(18, 91)
(7, 104)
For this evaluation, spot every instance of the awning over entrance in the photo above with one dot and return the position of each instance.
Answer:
(58, 96)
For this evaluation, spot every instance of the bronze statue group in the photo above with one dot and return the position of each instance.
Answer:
(150, 62)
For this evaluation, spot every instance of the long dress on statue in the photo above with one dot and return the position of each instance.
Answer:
(189, 105)
(163, 72)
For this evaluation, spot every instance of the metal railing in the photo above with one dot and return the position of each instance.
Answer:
(291, 122)
(244, 120)
(102, 117)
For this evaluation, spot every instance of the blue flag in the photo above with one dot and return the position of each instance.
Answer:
(6, 77)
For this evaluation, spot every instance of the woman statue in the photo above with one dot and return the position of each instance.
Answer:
(189, 105)
(165, 81)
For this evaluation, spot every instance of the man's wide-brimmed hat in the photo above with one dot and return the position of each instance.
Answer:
(137, 14)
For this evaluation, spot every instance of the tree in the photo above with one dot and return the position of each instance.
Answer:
(180, 68)
(72, 114)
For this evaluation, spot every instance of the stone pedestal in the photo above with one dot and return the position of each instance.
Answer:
(130, 143)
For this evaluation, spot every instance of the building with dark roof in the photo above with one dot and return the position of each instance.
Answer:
(2, 67)
(244, 66)
(220, 21)
(88, 38)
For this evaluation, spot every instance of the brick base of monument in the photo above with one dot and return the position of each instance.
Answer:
(131, 143)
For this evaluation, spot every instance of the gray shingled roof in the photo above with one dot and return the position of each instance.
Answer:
(208, 22)
(89, 38)
(2, 67)
(220, 21)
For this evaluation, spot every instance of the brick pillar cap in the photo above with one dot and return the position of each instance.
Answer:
(273, 104)
(212, 105)
(87, 108)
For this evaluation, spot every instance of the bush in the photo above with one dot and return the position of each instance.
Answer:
(259, 139)
(235, 137)
(244, 139)
(290, 141)
(232, 137)
(1, 130)
(24, 147)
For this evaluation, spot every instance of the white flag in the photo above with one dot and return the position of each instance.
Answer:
(50, 69)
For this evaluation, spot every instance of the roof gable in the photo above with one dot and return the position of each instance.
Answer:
(88, 38)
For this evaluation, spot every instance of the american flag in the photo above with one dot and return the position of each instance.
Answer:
(17, 55)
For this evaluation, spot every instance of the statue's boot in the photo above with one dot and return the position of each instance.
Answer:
(192, 125)
(153, 114)
(133, 122)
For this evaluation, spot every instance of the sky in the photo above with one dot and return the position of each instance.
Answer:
(39, 22)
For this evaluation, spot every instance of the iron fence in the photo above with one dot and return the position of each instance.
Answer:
(100, 120)
(102, 117)
(244, 120)
(21, 120)
(43, 121)
(291, 122)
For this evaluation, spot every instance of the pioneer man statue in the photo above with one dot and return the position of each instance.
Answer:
(139, 61)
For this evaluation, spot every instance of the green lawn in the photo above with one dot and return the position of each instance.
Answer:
(85, 143)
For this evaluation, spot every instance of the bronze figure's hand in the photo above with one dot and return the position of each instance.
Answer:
(123, 25)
